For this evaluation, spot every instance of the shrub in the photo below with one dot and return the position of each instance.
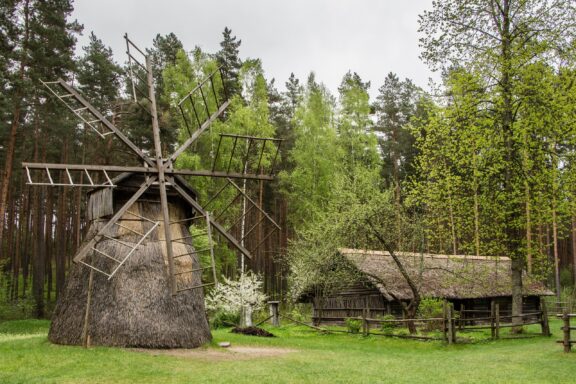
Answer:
(431, 308)
(353, 325)
(388, 327)
(222, 319)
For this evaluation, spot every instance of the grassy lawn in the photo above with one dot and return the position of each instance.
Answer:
(26, 356)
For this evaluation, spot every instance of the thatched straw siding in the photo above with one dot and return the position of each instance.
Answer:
(135, 308)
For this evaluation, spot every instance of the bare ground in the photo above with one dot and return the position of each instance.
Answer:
(220, 354)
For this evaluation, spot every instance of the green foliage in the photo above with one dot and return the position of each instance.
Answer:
(310, 185)
(222, 319)
(353, 224)
(13, 310)
(353, 325)
(396, 106)
(566, 276)
(431, 308)
(388, 326)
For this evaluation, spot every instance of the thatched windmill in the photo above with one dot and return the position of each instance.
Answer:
(137, 278)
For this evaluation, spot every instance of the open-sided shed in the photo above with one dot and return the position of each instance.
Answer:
(470, 282)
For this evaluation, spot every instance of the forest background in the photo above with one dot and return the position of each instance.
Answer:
(484, 162)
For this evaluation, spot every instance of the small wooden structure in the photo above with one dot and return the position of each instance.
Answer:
(473, 284)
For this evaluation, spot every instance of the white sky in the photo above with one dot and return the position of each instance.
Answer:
(329, 37)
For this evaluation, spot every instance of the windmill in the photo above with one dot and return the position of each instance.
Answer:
(137, 278)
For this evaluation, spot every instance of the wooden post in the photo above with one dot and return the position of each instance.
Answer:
(450, 324)
(453, 322)
(274, 313)
(85, 335)
(544, 318)
(566, 329)
(492, 319)
(497, 320)
(364, 322)
(461, 322)
(444, 321)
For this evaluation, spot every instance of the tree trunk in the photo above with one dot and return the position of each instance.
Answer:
(555, 250)
(453, 227)
(12, 136)
(574, 247)
(528, 227)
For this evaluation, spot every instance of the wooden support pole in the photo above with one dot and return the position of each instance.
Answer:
(461, 322)
(445, 321)
(544, 318)
(451, 330)
(492, 319)
(453, 322)
(497, 320)
(364, 322)
(85, 334)
(274, 313)
(566, 329)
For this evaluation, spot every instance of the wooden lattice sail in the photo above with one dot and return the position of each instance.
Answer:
(137, 277)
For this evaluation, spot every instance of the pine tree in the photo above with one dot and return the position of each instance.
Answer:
(228, 56)
(395, 107)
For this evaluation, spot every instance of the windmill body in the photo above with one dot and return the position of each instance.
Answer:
(137, 277)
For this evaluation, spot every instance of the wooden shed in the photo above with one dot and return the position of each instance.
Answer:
(470, 282)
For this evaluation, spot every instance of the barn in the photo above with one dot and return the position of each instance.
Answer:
(470, 282)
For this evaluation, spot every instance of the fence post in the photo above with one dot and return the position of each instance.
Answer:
(566, 329)
(444, 320)
(451, 330)
(365, 329)
(453, 321)
(544, 318)
(492, 318)
(497, 314)
(274, 313)
(461, 321)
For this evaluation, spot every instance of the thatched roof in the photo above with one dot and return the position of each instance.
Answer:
(441, 276)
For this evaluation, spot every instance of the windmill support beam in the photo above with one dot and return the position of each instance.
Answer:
(161, 178)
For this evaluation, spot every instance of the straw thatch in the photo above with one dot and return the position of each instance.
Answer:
(439, 276)
(135, 307)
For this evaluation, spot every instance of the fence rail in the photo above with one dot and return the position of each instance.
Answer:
(450, 323)
(566, 328)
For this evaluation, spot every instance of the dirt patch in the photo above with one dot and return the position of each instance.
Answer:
(220, 354)
(252, 331)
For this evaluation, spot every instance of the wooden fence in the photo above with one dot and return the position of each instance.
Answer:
(450, 323)
(566, 328)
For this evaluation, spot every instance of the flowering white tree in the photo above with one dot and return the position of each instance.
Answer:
(242, 296)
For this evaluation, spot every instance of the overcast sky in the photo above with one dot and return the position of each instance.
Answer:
(329, 37)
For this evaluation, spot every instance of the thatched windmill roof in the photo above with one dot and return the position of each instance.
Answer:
(441, 276)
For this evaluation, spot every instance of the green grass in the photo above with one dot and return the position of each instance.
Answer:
(26, 356)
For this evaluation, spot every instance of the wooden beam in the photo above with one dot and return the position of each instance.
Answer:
(88, 246)
(105, 121)
(161, 178)
(215, 224)
(198, 132)
(146, 170)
